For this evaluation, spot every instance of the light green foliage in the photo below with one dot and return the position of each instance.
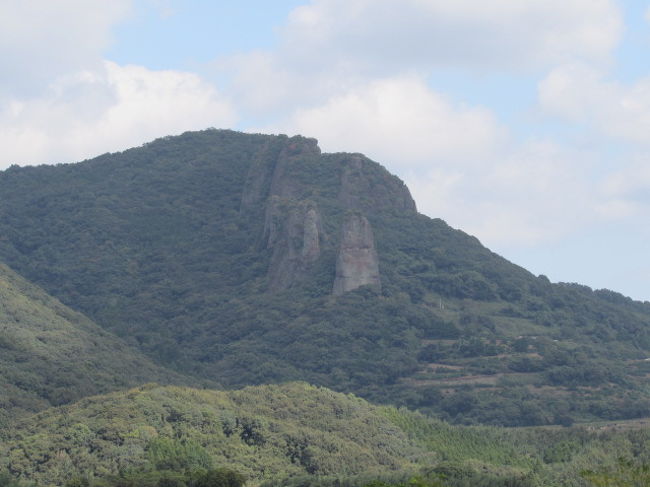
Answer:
(625, 474)
(51, 355)
(305, 435)
(276, 430)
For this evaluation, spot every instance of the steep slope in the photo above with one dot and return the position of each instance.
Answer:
(253, 258)
(292, 430)
(50, 354)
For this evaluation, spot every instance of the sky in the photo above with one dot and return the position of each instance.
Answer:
(525, 123)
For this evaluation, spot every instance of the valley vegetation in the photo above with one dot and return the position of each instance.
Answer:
(293, 435)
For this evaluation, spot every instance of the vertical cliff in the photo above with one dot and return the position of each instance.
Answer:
(293, 232)
(365, 186)
(301, 192)
(357, 263)
(274, 169)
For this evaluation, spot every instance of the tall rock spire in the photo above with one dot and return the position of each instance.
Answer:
(357, 263)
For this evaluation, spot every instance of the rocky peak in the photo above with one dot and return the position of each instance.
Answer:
(269, 173)
(357, 263)
(290, 178)
(367, 187)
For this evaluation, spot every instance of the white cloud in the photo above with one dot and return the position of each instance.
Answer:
(114, 108)
(61, 101)
(385, 34)
(627, 190)
(260, 83)
(458, 161)
(580, 93)
(523, 195)
(402, 121)
(328, 47)
(42, 39)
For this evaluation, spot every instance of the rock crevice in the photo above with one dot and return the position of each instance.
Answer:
(281, 182)
(293, 231)
(269, 175)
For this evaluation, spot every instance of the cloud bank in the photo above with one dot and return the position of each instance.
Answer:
(582, 94)
(385, 34)
(109, 109)
(41, 40)
(60, 101)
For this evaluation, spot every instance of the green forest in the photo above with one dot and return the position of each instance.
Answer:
(205, 266)
(298, 434)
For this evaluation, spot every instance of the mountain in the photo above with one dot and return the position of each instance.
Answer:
(50, 354)
(296, 432)
(249, 259)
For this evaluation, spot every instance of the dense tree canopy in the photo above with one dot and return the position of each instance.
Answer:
(168, 246)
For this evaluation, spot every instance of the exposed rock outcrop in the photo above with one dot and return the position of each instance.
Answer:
(312, 231)
(357, 263)
(294, 232)
(260, 174)
(292, 223)
(270, 174)
(366, 187)
(288, 178)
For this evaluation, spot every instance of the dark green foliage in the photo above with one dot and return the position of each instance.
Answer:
(175, 455)
(218, 477)
(165, 246)
(252, 431)
(7, 480)
(431, 481)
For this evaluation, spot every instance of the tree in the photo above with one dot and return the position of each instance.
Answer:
(626, 474)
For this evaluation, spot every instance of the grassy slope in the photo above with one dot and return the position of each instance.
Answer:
(271, 432)
(50, 354)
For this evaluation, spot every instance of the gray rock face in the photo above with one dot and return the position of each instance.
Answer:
(357, 263)
(269, 174)
(260, 174)
(292, 223)
(293, 230)
(311, 236)
(369, 189)
(288, 178)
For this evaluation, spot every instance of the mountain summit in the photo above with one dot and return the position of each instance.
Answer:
(248, 259)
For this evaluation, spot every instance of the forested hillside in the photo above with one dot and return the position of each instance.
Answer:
(51, 355)
(249, 259)
(296, 434)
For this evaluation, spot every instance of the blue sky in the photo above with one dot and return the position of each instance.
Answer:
(524, 123)
(188, 34)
